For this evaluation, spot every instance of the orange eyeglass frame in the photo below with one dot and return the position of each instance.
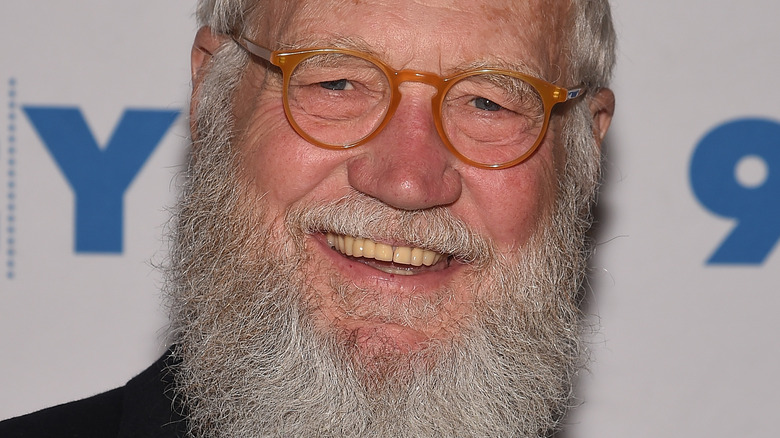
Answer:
(287, 61)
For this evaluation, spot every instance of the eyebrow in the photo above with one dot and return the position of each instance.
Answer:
(343, 42)
(519, 66)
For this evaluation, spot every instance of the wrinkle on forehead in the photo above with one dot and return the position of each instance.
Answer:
(542, 26)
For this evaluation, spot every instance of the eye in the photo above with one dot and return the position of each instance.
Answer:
(337, 85)
(485, 104)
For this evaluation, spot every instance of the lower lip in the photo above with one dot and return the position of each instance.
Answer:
(362, 274)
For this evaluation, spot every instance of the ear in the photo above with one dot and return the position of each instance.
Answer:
(602, 107)
(203, 48)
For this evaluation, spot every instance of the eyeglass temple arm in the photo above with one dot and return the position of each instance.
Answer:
(573, 93)
(260, 52)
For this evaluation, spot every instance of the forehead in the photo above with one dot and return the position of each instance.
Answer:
(431, 35)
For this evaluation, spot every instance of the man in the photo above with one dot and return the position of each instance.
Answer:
(383, 229)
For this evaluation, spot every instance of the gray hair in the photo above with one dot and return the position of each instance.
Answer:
(224, 16)
(590, 45)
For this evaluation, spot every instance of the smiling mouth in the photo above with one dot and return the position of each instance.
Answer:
(402, 260)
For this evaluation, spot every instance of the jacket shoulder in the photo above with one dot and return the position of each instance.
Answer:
(145, 407)
(94, 417)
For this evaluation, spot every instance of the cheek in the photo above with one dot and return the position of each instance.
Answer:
(510, 205)
(277, 163)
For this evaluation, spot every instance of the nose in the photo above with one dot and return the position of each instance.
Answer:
(406, 165)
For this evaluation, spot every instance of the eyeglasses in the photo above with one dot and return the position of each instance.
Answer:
(340, 98)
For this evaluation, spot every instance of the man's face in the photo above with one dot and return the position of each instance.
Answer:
(406, 167)
(282, 334)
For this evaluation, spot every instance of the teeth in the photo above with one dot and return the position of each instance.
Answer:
(349, 245)
(417, 257)
(367, 248)
(382, 252)
(429, 258)
(357, 247)
(403, 255)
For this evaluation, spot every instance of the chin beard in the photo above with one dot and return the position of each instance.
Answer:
(254, 362)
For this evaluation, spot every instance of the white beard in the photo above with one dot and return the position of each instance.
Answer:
(255, 364)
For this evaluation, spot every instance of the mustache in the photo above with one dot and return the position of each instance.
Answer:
(357, 214)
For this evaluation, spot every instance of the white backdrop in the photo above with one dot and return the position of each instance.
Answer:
(683, 347)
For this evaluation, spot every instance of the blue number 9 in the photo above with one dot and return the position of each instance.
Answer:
(755, 207)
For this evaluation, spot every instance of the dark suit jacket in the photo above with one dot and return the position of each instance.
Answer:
(142, 408)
